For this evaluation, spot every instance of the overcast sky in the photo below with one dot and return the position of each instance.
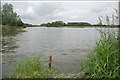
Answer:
(78, 11)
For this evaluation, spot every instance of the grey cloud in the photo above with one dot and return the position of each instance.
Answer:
(39, 12)
(47, 8)
(97, 10)
(28, 17)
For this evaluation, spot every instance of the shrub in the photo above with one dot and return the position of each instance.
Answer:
(32, 68)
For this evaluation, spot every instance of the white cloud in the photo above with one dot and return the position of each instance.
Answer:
(39, 12)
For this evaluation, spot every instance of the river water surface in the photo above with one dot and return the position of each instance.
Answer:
(67, 46)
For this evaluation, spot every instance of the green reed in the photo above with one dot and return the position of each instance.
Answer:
(102, 61)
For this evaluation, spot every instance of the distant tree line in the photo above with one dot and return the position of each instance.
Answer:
(78, 24)
(54, 24)
(62, 24)
(30, 25)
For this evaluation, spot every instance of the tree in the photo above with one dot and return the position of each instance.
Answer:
(48, 24)
(20, 23)
(6, 13)
(9, 17)
(44, 24)
(0, 16)
(78, 24)
(54, 24)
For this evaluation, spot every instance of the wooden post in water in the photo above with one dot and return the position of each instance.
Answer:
(50, 62)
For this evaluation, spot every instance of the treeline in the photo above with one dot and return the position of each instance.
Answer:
(30, 25)
(78, 24)
(62, 24)
(54, 24)
(73, 24)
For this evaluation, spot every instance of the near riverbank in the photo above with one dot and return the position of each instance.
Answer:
(10, 30)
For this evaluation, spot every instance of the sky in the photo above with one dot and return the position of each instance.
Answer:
(37, 12)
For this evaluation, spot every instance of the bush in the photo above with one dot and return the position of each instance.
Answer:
(32, 68)
(10, 30)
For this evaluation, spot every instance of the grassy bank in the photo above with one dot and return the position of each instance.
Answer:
(10, 31)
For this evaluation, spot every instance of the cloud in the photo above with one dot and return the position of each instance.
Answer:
(47, 8)
(44, 11)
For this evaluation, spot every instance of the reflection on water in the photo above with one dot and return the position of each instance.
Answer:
(8, 50)
(9, 45)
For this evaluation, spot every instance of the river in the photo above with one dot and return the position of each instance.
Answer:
(67, 46)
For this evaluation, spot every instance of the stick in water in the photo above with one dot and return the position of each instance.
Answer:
(50, 62)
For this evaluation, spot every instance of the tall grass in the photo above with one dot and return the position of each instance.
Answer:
(103, 60)
(32, 68)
